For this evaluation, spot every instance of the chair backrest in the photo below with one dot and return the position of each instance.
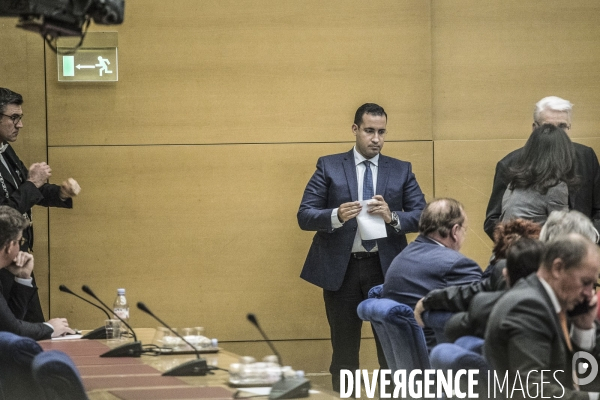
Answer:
(401, 337)
(436, 321)
(450, 356)
(16, 355)
(472, 343)
(58, 377)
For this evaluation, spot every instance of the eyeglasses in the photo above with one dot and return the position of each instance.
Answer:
(15, 118)
(21, 241)
(564, 126)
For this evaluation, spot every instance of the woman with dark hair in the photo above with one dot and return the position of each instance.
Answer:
(540, 181)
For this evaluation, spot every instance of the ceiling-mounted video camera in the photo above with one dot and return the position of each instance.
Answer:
(56, 18)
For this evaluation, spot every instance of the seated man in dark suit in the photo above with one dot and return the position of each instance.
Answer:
(20, 265)
(433, 260)
(527, 331)
(522, 259)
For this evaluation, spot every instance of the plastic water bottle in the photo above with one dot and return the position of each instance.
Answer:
(121, 308)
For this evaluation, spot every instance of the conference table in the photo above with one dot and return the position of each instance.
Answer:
(129, 378)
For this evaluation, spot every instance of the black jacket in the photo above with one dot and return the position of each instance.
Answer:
(458, 298)
(586, 199)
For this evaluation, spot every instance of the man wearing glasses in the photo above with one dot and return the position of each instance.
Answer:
(22, 188)
(586, 199)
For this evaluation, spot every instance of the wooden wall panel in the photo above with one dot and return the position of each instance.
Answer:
(22, 70)
(492, 61)
(264, 71)
(202, 234)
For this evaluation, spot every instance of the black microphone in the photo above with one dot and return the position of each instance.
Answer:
(196, 367)
(252, 318)
(126, 350)
(285, 388)
(98, 333)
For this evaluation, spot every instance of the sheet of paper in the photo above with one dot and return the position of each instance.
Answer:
(259, 391)
(67, 337)
(265, 391)
(371, 226)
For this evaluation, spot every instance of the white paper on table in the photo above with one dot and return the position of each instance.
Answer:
(265, 391)
(259, 391)
(67, 337)
(370, 226)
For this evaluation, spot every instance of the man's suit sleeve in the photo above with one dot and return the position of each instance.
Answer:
(51, 198)
(456, 298)
(494, 208)
(413, 203)
(530, 349)
(313, 214)
(19, 299)
(9, 323)
(27, 194)
(24, 198)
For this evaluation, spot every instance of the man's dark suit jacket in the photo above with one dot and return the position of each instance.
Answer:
(13, 311)
(524, 334)
(23, 197)
(334, 183)
(26, 195)
(423, 266)
(586, 199)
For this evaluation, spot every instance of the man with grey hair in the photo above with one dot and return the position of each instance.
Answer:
(527, 332)
(561, 223)
(586, 199)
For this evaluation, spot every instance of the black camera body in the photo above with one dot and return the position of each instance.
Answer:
(56, 18)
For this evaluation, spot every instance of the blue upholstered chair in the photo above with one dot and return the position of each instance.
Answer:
(472, 343)
(436, 321)
(58, 377)
(450, 356)
(401, 337)
(16, 356)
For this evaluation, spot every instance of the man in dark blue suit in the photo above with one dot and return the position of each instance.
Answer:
(433, 260)
(339, 261)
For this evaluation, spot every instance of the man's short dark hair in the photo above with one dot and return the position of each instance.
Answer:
(571, 249)
(11, 224)
(523, 258)
(440, 216)
(7, 97)
(368, 108)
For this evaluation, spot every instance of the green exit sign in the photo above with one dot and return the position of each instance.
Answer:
(95, 61)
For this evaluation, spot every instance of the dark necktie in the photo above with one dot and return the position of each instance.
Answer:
(368, 193)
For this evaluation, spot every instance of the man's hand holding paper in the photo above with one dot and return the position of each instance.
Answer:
(372, 218)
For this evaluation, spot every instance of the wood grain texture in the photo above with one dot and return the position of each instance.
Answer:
(492, 61)
(252, 71)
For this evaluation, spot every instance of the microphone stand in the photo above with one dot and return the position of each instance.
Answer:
(98, 333)
(197, 367)
(126, 350)
(285, 388)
